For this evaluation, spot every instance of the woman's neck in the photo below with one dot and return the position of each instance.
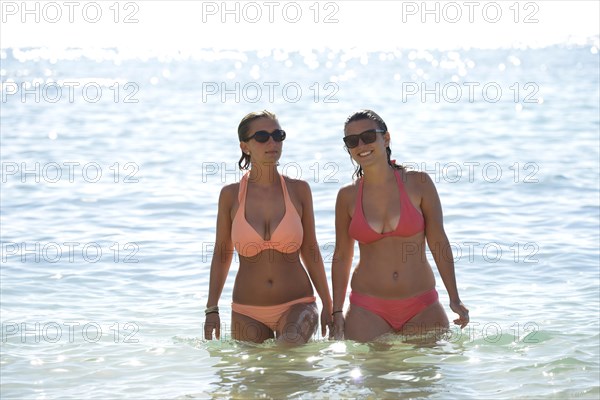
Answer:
(378, 173)
(264, 174)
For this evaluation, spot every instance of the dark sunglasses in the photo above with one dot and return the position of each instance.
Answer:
(367, 137)
(278, 135)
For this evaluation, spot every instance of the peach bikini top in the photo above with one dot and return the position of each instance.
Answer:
(286, 238)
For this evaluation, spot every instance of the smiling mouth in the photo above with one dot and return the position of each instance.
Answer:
(365, 153)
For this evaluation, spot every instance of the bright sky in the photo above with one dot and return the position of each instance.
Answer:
(167, 26)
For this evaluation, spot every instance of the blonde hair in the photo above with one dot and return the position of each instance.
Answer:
(244, 127)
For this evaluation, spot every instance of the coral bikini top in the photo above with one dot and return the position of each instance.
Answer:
(411, 220)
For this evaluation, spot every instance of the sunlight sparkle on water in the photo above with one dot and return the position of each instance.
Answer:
(338, 347)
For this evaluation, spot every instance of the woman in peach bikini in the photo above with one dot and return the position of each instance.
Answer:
(268, 219)
(391, 212)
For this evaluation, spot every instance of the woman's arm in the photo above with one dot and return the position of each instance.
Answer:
(221, 260)
(342, 259)
(311, 254)
(439, 245)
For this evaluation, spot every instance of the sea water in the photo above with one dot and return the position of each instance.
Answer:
(111, 171)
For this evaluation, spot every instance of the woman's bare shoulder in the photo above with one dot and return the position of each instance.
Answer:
(297, 186)
(417, 180)
(229, 193)
(348, 192)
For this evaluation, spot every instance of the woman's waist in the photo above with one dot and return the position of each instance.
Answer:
(394, 249)
(250, 295)
(392, 292)
(271, 265)
(272, 284)
(270, 257)
(384, 264)
(392, 280)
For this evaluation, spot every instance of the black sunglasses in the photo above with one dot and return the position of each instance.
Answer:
(367, 137)
(278, 135)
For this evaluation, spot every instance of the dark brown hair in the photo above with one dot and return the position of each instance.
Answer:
(372, 115)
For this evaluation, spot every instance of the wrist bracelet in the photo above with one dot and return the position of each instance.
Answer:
(211, 310)
(337, 312)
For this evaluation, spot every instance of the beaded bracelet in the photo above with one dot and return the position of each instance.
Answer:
(211, 310)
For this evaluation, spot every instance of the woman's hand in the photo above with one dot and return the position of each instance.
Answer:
(326, 321)
(462, 311)
(212, 323)
(338, 326)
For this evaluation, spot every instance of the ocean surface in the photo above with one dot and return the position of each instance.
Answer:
(111, 170)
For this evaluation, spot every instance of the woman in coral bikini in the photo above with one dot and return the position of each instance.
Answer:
(268, 219)
(391, 212)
